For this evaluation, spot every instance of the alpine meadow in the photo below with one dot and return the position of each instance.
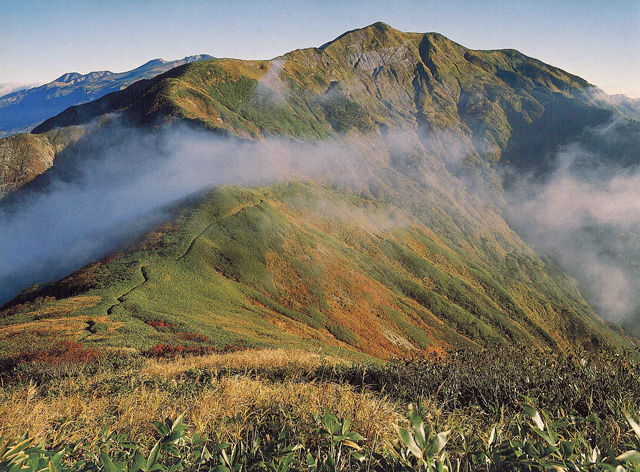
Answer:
(389, 252)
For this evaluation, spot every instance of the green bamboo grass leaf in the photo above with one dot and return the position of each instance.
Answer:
(139, 461)
(437, 444)
(634, 425)
(567, 448)
(285, 463)
(57, 459)
(291, 449)
(630, 456)
(345, 426)
(177, 422)
(13, 466)
(552, 433)
(153, 457)
(543, 435)
(220, 468)
(161, 428)
(534, 415)
(34, 463)
(270, 466)
(408, 441)
(313, 464)
(332, 424)
(108, 464)
(419, 432)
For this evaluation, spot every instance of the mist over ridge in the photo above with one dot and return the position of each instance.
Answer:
(459, 143)
(122, 180)
(586, 213)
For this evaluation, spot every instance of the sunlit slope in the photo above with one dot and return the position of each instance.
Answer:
(300, 264)
(23, 156)
(406, 252)
(364, 80)
(487, 107)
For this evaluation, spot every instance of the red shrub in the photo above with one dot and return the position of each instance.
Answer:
(160, 324)
(231, 348)
(63, 352)
(65, 357)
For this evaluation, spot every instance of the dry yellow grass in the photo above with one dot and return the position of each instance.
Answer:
(226, 409)
(233, 408)
(25, 410)
(294, 360)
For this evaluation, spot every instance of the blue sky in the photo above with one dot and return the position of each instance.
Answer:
(40, 40)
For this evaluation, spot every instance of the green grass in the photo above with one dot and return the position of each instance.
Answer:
(287, 266)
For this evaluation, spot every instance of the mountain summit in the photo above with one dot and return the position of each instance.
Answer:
(364, 212)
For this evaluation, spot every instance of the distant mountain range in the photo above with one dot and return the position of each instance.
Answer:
(365, 213)
(11, 87)
(22, 110)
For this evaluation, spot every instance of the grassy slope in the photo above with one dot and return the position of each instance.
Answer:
(23, 157)
(249, 266)
(303, 265)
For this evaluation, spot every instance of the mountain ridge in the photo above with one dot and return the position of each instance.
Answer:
(410, 121)
(22, 110)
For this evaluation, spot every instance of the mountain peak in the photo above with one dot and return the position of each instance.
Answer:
(372, 36)
(71, 78)
(197, 57)
(379, 26)
(68, 77)
(151, 64)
